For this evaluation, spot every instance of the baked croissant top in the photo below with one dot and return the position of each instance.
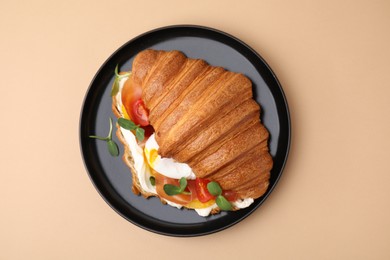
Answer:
(206, 117)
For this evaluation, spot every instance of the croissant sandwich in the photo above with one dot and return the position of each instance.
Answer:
(191, 133)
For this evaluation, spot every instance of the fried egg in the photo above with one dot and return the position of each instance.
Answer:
(166, 166)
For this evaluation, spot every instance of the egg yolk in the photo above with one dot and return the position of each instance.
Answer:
(124, 112)
(151, 156)
(196, 204)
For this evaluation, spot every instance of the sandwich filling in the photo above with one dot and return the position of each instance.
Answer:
(154, 172)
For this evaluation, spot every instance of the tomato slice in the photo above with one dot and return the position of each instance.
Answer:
(139, 113)
(149, 130)
(161, 180)
(230, 195)
(202, 191)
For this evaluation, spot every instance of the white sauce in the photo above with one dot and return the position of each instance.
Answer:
(243, 203)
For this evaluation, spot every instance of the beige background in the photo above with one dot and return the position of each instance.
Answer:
(332, 58)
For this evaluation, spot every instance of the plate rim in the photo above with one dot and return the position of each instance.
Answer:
(287, 116)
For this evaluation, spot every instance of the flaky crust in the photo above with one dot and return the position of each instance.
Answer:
(205, 116)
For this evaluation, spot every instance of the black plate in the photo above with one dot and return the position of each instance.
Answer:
(110, 175)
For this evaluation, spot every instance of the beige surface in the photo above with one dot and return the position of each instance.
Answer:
(332, 58)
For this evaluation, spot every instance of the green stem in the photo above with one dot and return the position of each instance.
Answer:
(123, 76)
(117, 73)
(99, 137)
(116, 70)
(109, 136)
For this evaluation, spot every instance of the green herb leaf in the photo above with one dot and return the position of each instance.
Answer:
(174, 190)
(214, 188)
(127, 124)
(118, 77)
(183, 183)
(111, 145)
(152, 180)
(130, 125)
(113, 148)
(140, 133)
(115, 87)
(223, 203)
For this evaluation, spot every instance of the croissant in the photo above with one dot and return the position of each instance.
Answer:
(205, 116)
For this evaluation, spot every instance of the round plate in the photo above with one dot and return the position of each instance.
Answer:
(111, 176)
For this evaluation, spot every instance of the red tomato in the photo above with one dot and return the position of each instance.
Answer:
(161, 180)
(230, 195)
(149, 130)
(202, 191)
(131, 100)
(139, 113)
